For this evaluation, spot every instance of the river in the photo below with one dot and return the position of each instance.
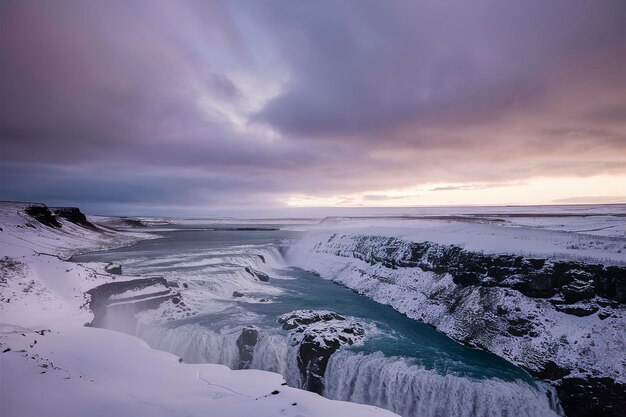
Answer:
(402, 365)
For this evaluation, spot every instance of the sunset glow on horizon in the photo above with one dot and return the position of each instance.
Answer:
(536, 191)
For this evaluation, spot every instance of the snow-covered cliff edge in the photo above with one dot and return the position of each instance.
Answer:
(52, 364)
(549, 301)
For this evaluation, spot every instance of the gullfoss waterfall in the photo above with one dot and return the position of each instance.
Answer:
(239, 304)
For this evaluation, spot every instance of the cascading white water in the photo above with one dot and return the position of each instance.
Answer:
(194, 343)
(197, 344)
(393, 383)
(260, 257)
(410, 390)
(207, 329)
(272, 353)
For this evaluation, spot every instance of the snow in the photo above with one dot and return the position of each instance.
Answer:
(99, 372)
(51, 364)
(142, 292)
(320, 326)
(491, 236)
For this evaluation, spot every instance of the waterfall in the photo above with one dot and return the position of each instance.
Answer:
(411, 390)
(194, 343)
(272, 353)
(394, 383)
(399, 384)
(198, 344)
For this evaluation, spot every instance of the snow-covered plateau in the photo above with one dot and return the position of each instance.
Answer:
(53, 364)
(544, 291)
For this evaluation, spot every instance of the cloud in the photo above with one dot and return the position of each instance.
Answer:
(225, 104)
(368, 70)
(469, 187)
(452, 188)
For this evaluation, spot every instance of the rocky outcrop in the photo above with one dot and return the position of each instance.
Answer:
(73, 215)
(592, 397)
(318, 334)
(130, 222)
(257, 274)
(566, 281)
(43, 215)
(115, 269)
(50, 216)
(246, 343)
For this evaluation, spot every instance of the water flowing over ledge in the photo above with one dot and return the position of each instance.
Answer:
(394, 383)
(410, 390)
(222, 294)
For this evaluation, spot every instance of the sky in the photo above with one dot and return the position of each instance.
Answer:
(218, 107)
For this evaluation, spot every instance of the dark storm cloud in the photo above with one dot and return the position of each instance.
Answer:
(243, 103)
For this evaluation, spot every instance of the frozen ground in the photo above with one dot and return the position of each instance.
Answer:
(570, 237)
(51, 364)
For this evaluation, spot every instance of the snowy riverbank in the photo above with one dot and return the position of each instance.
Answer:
(544, 296)
(53, 365)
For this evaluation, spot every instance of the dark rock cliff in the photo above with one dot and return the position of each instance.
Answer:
(43, 215)
(49, 216)
(566, 282)
(74, 215)
(246, 342)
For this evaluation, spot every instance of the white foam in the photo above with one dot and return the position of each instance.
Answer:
(412, 391)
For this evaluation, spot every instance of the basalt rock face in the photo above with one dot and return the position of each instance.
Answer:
(50, 216)
(562, 320)
(74, 215)
(43, 215)
(246, 343)
(592, 397)
(571, 281)
(318, 334)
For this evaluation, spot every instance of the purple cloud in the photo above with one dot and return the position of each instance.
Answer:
(240, 103)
